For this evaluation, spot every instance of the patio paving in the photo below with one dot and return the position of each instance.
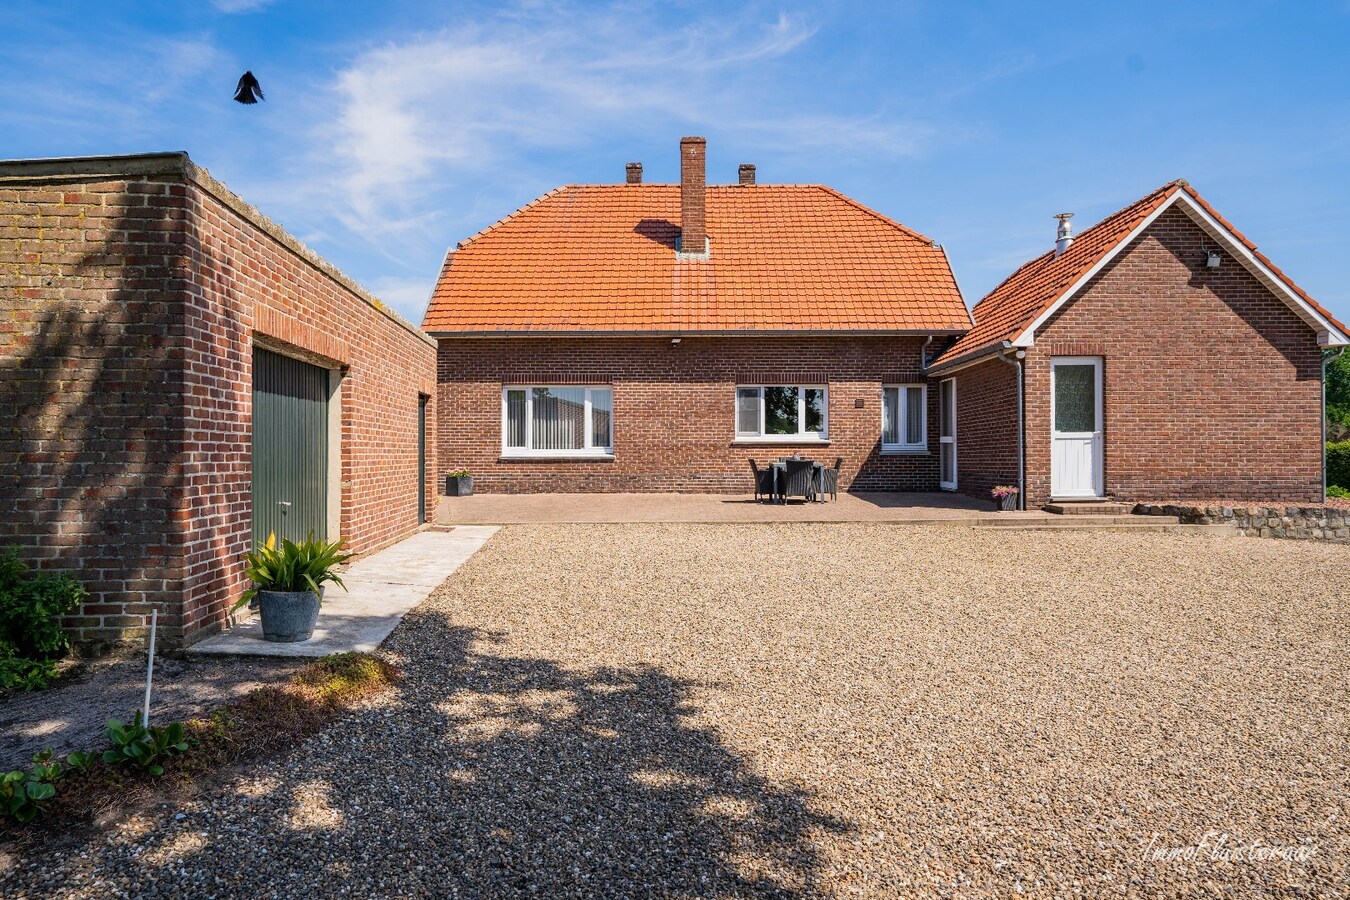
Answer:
(381, 588)
(906, 508)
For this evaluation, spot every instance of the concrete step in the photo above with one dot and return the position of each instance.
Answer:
(1148, 526)
(1089, 508)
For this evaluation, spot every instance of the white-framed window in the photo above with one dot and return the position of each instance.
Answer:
(557, 420)
(904, 418)
(778, 412)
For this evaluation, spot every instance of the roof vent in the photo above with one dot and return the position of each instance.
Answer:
(634, 173)
(1063, 234)
(747, 173)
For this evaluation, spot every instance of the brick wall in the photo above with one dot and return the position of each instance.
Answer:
(91, 390)
(1212, 385)
(674, 409)
(131, 306)
(986, 428)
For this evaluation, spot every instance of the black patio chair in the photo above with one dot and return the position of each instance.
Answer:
(765, 482)
(831, 485)
(800, 480)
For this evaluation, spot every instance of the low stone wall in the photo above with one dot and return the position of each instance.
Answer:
(1308, 523)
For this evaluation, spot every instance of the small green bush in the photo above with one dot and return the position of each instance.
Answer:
(1337, 492)
(20, 674)
(23, 794)
(30, 606)
(143, 747)
(1338, 464)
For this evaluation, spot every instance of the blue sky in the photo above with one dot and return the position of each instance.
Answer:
(393, 129)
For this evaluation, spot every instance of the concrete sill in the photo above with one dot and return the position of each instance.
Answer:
(905, 453)
(779, 442)
(580, 457)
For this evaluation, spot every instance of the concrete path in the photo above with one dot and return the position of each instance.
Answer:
(381, 588)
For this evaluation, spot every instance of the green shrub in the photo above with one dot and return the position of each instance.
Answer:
(1338, 464)
(1337, 492)
(20, 674)
(30, 606)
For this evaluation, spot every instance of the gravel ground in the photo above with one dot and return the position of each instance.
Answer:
(71, 715)
(796, 710)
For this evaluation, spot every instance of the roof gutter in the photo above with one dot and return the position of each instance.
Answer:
(1016, 363)
(969, 359)
(695, 333)
(1327, 359)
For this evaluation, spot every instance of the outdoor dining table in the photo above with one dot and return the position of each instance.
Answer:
(780, 476)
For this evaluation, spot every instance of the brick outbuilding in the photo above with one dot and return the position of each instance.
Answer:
(1157, 356)
(177, 375)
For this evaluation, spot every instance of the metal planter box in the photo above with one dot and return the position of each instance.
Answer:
(461, 486)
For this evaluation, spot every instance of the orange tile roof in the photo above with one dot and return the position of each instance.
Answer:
(1028, 292)
(601, 258)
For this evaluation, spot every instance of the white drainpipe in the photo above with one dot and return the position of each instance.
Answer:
(1016, 363)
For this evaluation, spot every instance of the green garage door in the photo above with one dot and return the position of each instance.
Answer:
(290, 448)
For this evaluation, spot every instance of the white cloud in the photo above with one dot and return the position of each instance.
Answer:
(469, 103)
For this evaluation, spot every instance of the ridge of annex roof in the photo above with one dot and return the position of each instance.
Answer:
(792, 258)
(1009, 315)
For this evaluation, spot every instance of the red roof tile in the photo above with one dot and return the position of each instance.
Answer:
(1028, 292)
(601, 258)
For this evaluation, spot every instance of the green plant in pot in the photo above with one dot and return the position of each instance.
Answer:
(459, 483)
(288, 582)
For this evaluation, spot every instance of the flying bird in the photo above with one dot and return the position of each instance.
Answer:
(248, 90)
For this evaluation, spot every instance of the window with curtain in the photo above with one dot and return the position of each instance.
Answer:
(782, 411)
(904, 417)
(561, 420)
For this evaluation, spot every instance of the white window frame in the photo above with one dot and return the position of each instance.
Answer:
(948, 438)
(801, 437)
(922, 445)
(589, 449)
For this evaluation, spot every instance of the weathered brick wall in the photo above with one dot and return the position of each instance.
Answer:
(674, 409)
(252, 284)
(131, 305)
(986, 428)
(1212, 385)
(91, 390)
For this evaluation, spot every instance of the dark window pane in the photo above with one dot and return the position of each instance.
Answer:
(815, 410)
(890, 415)
(913, 415)
(1076, 398)
(780, 410)
(515, 418)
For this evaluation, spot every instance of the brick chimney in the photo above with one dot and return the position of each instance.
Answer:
(747, 173)
(693, 183)
(634, 173)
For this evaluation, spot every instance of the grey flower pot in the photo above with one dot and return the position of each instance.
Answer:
(461, 486)
(287, 616)
(1008, 503)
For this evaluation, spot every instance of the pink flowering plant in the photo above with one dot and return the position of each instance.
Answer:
(1004, 490)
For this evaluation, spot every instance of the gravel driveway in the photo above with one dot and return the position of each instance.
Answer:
(807, 710)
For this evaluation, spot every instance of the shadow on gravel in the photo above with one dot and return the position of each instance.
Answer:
(494, 776)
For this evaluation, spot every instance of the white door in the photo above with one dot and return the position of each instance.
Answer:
(947, 434)
(1076, 427)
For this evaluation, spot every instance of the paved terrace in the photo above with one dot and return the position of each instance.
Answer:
(907, 508)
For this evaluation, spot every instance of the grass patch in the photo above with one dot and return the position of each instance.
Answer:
(264, 722)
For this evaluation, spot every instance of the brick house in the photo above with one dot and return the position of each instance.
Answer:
(653, 337)
(179, 376)
(1157, 356)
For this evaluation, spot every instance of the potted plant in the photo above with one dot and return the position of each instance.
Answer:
(1005, 495)
(459, 483)
(288, 582)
